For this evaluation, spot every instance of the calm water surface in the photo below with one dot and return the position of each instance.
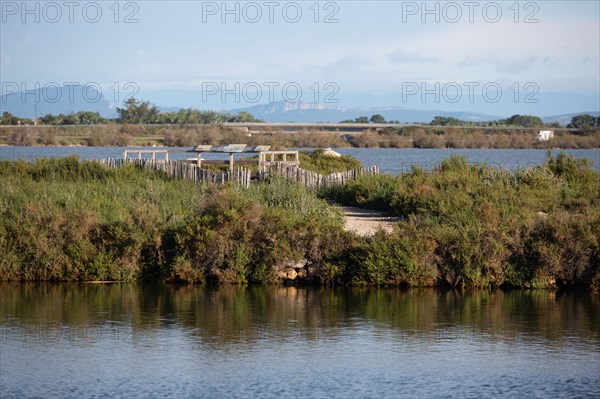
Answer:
(390, 160)
(87, 340)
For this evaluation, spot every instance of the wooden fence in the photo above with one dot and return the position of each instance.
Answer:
(183, 170)
(312, 179)
(241, 176)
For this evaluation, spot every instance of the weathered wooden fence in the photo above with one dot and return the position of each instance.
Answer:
(312, 179)
(183, 170)
(241, 176)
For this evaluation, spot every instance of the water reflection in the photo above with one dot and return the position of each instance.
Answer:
(86, 340)
(232, 315)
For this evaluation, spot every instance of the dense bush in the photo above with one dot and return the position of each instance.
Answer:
(461, 225)
(62, 220)
(479, 226)
(319, 162)
(410, 136)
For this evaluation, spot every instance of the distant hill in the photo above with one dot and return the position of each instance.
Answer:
(53, 100)
(564, 120)
(283, 111)
(75, 98)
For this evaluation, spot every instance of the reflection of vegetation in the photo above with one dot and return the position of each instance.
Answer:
(231, 314)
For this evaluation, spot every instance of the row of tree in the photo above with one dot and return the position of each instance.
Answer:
(137, 111)
(515, 120)
(134, 112)
(580, 122)
(377, 118)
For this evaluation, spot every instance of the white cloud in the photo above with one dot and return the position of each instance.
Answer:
(404, 56)
(514, 65)
(25, 41)
(4, 58)
(349, 62)
(517, 66)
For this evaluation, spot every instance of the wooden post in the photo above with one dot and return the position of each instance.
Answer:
(231, 162)
(154, 155)
(166, 156)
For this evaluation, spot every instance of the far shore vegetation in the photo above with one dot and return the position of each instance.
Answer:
(461, 225)
(141, 124)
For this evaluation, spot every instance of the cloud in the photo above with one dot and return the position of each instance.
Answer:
(509, 67)
(517, 66)
(478, 60)
(25, 41)
(4, 58)
(403, 56)
(350, 62)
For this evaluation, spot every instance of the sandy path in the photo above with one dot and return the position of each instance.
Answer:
(366, 222)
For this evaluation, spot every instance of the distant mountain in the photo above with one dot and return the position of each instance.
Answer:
(564, 120)
(75, 98)
(283, 111)
(57, 100)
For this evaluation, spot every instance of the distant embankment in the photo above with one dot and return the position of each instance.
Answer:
(300, 135)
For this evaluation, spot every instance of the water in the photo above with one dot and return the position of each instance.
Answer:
(98, 340)
(390, 160)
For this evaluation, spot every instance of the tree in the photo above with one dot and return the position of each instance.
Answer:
(137, 111)
(445, 121)
(48, 119)
(8, 119)
(377, 118)
(243, 117)
(524, 121)
(71, 119)
(362, 119)
(90, 118)
(584, 121)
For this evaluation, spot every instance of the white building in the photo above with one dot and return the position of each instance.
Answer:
(545, 135)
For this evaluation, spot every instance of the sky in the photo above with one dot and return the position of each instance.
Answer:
(470, 55)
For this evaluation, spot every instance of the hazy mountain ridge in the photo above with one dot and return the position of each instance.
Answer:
(69, 99)
(314, 112)
(565, 119)
(57, 100)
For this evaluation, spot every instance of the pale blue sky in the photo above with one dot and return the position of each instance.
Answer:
(375, 47)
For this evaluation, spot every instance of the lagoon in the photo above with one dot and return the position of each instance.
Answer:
(107, 340)
(390, 160)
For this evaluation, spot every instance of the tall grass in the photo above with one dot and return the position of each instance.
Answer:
(472, 225)
(396, 137)
(63, 220)
(461, 225)
(319, 162)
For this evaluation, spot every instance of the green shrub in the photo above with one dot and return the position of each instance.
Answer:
(484, 227)
(319, 162)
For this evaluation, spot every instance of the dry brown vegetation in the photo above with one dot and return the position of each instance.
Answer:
(187, 136)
